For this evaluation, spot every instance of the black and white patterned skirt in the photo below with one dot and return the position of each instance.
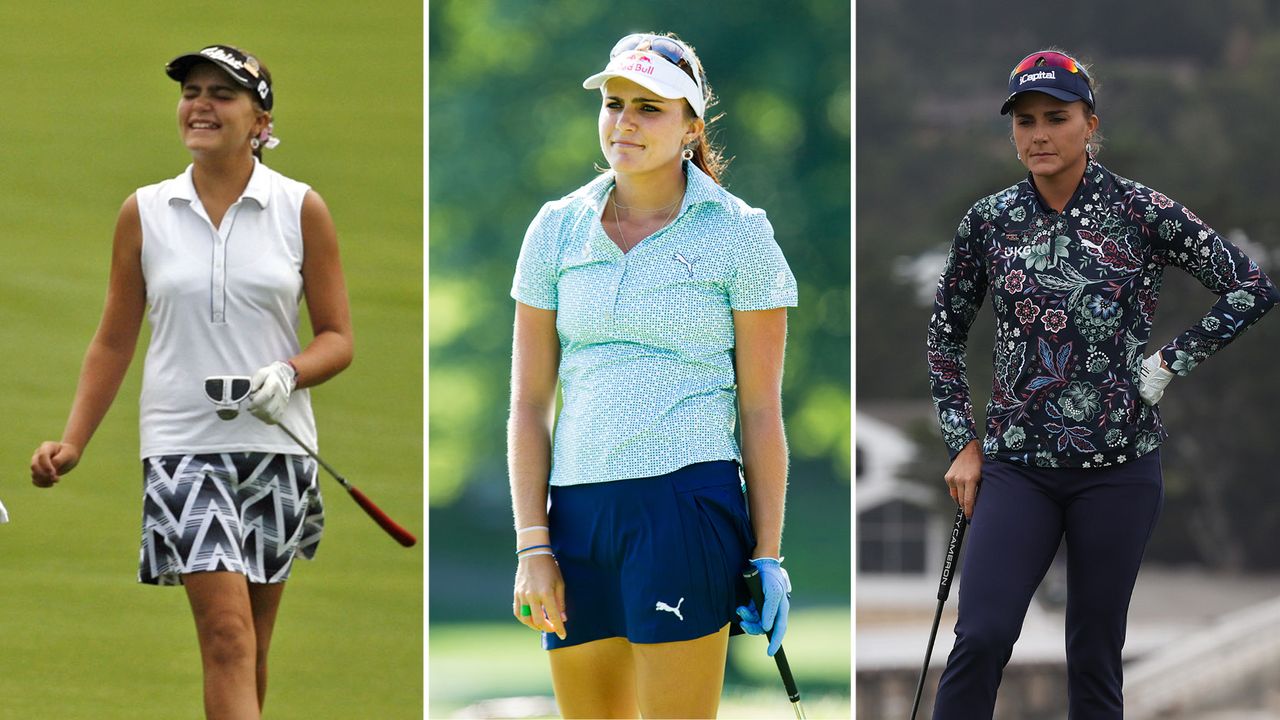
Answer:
(243, 512)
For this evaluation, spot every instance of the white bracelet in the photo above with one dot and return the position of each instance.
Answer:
(531, 528)
(531, 554)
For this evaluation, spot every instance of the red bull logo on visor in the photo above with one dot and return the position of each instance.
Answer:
(639, 62)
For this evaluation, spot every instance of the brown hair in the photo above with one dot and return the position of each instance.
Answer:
(708, 156)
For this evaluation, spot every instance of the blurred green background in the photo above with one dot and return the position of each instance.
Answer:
(88, 117)
(511, 128)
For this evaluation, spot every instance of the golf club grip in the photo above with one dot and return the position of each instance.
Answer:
(953, 554)
(402, 536)
(752, 577)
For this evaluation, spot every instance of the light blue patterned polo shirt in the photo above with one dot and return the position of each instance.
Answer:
(646, 337)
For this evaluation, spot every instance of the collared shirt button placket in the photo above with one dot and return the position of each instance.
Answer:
(218, 275)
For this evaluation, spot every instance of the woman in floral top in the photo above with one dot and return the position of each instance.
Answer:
(1072, 257)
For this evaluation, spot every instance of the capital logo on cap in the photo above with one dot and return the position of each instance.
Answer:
(1032, 77)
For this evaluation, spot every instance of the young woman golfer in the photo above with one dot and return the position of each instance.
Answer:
(658, 300)
(1072, 257)
(218, 259)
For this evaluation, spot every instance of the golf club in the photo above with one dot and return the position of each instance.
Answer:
(944, 589)
(226, 392)
(752, 576)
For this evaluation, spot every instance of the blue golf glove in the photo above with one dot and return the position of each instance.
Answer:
(777, 604)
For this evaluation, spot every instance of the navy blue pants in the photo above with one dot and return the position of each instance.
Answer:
(1108, 515)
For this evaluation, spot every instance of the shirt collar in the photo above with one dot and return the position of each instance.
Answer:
(699, 188)
(257, 190)
(1094, 177)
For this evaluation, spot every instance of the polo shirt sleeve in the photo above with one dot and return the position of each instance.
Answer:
(761, 280)
(537, 269)
(961, 290)
(1244, 292)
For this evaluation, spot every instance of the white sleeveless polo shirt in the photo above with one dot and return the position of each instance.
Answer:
(220, 301)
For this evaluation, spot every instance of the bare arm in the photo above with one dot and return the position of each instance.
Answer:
(760, 337)
(535, 360)
(333, 344)
(109, 354)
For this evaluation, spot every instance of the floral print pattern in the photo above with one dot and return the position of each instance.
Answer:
(1074, 295)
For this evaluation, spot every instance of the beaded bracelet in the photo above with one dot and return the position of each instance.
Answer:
(531, 547)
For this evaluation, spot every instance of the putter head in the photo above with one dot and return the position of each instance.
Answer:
(226, 392)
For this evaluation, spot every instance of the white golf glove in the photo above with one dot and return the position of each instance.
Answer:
(1152, 380)
(269, 391)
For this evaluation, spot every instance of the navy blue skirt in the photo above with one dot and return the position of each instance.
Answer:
(652, 560)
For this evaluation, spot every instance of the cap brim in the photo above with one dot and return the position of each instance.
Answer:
(181, 65)
(648, 82)
(1063, 95)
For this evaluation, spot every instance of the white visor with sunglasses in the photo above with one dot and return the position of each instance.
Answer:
(654, 72)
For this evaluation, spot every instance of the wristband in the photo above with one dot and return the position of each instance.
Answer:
(531, 547)
(540, 552)
(531, 528)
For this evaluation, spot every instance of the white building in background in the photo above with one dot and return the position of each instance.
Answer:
(897, 518)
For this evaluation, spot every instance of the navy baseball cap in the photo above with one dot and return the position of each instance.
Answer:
(1050, 72)
(243, 69)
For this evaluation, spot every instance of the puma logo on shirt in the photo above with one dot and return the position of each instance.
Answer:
(667, 608)
(687, 263)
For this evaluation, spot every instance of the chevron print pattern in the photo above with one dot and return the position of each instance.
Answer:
(245, 512)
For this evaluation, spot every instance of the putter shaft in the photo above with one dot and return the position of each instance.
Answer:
(928, 655)
(312, 453)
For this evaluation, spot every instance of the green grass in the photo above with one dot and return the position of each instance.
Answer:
(471, 662)
(93, 119)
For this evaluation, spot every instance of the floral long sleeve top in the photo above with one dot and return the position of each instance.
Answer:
(1074, 294)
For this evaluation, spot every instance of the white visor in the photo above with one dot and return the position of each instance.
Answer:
(653, 72)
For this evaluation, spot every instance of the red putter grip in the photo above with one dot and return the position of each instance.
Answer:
(402, 536)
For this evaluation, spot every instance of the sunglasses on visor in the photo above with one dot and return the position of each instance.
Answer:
(672, 50)
(1049, 59)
